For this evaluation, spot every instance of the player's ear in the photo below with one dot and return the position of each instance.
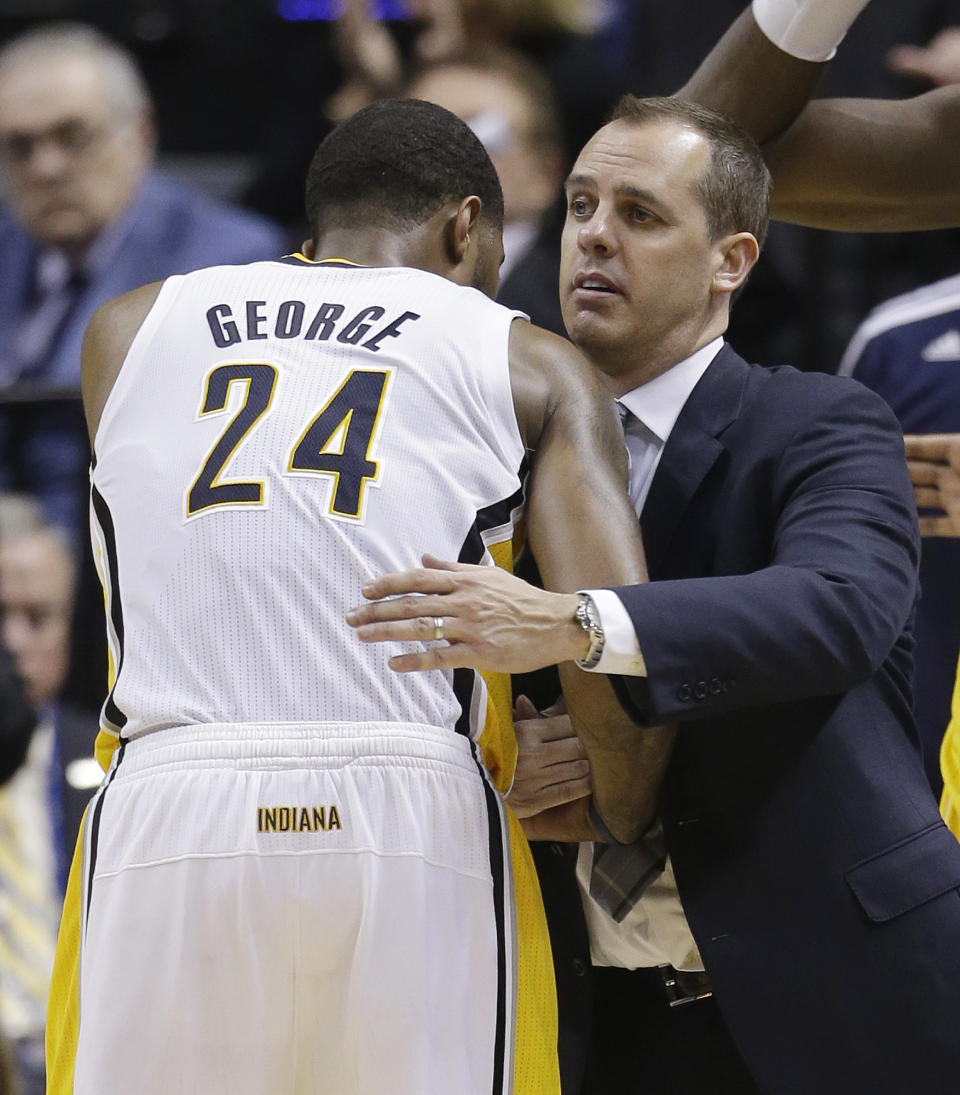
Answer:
(736, 255)
(462, 228)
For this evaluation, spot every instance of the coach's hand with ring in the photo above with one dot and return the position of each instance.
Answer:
(490, 619)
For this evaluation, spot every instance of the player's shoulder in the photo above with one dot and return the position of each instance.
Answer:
(106, 343)
(117, 320)
(556, 363)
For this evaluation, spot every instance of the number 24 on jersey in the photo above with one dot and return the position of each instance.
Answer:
(335, 442)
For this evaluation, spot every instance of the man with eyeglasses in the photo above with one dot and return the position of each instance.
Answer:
(86, 219)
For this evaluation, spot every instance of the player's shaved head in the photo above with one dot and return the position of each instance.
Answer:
(395, 164)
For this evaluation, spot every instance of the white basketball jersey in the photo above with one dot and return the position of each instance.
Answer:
(279, 433)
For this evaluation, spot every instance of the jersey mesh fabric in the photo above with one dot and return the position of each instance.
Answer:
(236, 613)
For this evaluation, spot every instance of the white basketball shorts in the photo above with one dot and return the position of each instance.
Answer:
(296, 910)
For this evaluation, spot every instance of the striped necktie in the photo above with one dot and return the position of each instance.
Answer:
(621, 872)
(29, 903)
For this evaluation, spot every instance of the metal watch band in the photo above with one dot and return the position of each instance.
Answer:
(588, 618)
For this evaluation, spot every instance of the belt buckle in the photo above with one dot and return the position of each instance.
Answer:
(684, 986)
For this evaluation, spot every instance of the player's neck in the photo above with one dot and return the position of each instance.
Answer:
(372, 247)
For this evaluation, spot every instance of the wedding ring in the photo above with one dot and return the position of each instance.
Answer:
(438, 628)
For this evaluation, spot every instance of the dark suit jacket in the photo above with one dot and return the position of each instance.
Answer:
(76, 733)
(533, 285)
(820, 883)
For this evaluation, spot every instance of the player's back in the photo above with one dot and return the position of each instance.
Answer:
(278, 433)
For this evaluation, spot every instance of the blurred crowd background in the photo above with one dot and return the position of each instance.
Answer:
(113, 174)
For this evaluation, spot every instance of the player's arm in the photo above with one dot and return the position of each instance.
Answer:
(108, 337)
(583, 530)
(871, 165)
(854, 164)
(752, 80)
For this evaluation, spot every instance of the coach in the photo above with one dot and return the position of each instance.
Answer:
(818, 882)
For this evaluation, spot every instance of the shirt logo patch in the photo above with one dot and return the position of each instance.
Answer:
(945, 347)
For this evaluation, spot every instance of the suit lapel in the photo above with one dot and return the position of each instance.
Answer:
(691, 451)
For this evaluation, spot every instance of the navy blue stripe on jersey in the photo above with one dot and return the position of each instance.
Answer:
(464, 682)
(490, 517)
(95, 825)
(104, 518)
(496, 515)
(498, 867)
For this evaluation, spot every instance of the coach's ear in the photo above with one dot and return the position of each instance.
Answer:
(462, 230)
(308, 249)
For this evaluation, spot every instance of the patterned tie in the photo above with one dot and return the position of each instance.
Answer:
(621, 872)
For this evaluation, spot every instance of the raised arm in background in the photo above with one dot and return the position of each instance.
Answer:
(868, 165)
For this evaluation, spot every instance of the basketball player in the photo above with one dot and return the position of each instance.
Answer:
(299, 876)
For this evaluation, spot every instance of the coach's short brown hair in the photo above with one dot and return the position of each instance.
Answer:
(735, 189)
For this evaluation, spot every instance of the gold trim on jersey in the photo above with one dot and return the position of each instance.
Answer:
(950, 766)
(320, 262)
(63, 1007)
(497, 740)
(536, 1069)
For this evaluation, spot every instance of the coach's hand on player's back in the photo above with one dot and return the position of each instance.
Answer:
(490, 619)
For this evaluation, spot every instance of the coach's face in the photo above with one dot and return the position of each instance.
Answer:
(637, 260)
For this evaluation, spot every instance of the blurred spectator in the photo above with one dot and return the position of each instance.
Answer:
(87, 219)
(40, 807)
(508, 103)
(16, 717)
(934, 461)
(908, 351)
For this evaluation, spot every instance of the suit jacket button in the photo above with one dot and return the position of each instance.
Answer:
(579, 967)
(700, 691)
(684, 692)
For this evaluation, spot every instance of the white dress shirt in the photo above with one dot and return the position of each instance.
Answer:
(654, 409)
(655, 932)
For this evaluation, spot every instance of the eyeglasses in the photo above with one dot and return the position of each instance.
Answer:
(73, 138)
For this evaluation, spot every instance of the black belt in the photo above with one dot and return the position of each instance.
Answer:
(673, 987)
(684, 986)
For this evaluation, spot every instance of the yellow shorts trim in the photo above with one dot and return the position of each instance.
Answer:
(536, 1069)
(63, 1008)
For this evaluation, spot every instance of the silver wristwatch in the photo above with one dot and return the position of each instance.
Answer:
(588, 618)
